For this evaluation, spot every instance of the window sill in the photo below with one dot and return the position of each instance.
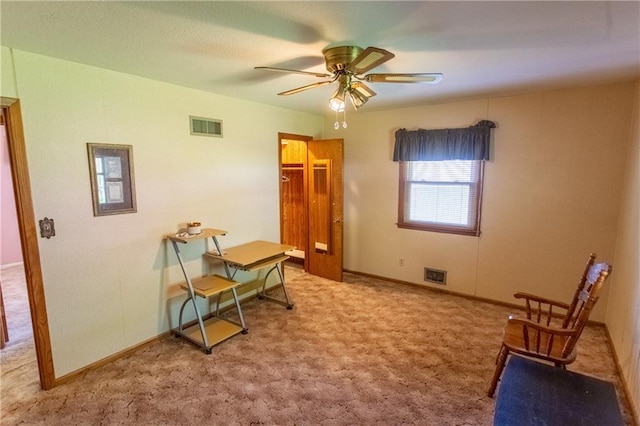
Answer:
(440, 228)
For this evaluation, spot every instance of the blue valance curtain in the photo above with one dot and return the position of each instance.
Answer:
(470, 143)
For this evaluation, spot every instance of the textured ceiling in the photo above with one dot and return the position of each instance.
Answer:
(482, 48)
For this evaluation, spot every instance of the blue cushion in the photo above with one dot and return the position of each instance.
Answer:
(533, 393)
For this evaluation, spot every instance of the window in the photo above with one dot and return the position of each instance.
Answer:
(441, 196)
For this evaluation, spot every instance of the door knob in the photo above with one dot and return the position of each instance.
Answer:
(337, 220)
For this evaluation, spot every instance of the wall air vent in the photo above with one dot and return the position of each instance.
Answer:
(201, 126)
(435, 276)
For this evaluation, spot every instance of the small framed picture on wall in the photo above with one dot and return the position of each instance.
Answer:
(112, 179)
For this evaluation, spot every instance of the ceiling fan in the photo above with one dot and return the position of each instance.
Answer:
(346, 65)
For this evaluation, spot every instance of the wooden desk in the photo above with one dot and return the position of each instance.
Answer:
(211, 328)
(254, 256)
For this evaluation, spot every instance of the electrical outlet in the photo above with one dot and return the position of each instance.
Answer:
(401, 261)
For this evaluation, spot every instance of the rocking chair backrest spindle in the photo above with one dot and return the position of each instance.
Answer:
(581, 284)
(587, 298)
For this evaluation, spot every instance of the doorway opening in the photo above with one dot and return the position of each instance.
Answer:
(294, 226)
(311, 202)
(28, 238)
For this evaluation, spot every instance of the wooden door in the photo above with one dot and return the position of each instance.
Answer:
(325, 208)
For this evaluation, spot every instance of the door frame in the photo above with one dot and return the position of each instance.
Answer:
(313, 265)
(29, 240)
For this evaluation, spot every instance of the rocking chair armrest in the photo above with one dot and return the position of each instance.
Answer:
(534, 298)
(540, 327)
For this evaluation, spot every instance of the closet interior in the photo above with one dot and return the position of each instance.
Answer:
(294, 196)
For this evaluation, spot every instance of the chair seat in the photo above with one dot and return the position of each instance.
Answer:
(533, 393)
(514, 340)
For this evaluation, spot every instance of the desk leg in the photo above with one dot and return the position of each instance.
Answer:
(237, 301)
(220, 252)
(192, 297)
(287, 302)
(179, 330)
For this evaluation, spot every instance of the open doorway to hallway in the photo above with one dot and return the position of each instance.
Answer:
(18, 361)
(17, 155)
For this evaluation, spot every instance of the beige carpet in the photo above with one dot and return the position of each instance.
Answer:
(362, 352)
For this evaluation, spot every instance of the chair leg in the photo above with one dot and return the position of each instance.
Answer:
(500, 362)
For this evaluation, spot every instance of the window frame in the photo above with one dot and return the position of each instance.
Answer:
(472, 230)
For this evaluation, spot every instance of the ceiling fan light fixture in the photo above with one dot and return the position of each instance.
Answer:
(357, 99)
(336, 102)
(362, 89)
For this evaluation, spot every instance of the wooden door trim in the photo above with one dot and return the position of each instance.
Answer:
(29, 241)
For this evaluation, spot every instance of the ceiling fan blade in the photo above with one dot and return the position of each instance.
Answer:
(431, 78)
(303, 88)
(315, 74)
(370, 58)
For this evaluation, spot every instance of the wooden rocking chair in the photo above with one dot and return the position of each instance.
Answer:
(538, 337)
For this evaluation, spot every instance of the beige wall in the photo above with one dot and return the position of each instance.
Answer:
(107, 279)
(623, 312)
(551, 196)
(7, 80)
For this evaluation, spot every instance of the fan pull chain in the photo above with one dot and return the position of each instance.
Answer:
(336, 124)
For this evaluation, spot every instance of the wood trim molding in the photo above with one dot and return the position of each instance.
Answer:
(29, 241)
(453, 293)
(625, 386)
(252, 286)
(111, 358)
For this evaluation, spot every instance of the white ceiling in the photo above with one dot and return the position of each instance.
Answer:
(482, 48)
